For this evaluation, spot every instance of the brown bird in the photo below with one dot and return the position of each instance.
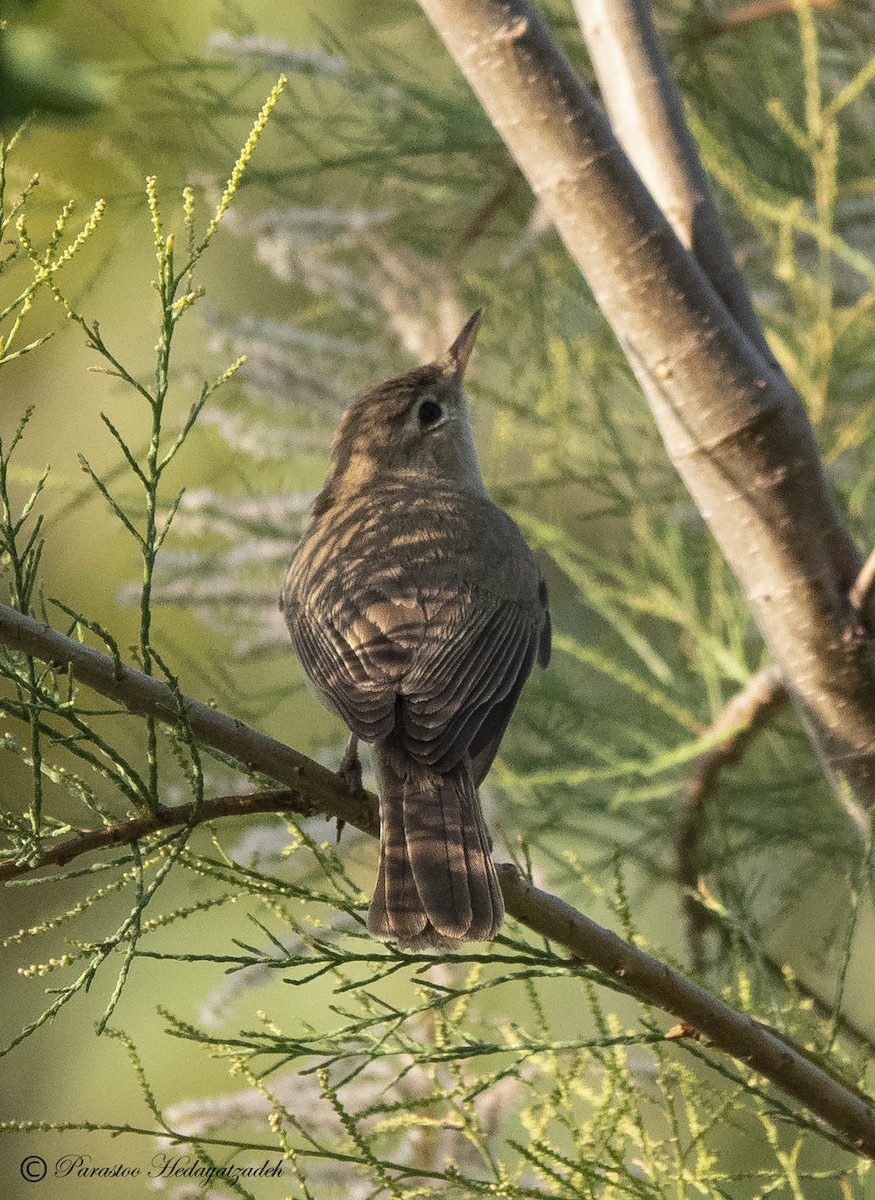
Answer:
(417, 611)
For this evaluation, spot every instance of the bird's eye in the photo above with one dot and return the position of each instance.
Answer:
(429, 413)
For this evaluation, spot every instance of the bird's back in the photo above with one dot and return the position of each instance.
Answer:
(405, 592)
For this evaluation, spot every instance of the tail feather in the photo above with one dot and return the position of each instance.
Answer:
(436, 881)
(396, 913)
(487, 902)
(436, 840)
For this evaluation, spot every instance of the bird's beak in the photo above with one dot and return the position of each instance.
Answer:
(456, 358)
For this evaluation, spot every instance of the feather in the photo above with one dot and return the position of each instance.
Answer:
(396, 912)
(436, 882)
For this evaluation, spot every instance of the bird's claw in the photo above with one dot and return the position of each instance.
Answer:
(350, 771)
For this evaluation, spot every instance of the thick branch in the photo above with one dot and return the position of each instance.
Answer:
(732, 423)
(863, 589)
(647, 115)
(314, 789)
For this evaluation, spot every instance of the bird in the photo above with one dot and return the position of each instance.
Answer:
(417, 611)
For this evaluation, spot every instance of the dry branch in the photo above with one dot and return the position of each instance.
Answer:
(758, 10)
(742, 719)
(313, 789)
(123, 833)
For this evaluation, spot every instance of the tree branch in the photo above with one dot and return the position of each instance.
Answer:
(757, 10)
(742, 719)
(762, 1049)
(313, 785)
(647, 115)
(861, 592)
(732, 423)
(122, 833)
(314, 789)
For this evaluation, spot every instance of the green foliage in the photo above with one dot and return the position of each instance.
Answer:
(42, 693)
(37, 73)
(390, 211)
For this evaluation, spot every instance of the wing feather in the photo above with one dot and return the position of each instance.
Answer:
(445, 704)
(454, 658)
(339, 675)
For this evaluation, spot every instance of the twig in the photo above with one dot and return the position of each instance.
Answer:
(758, 10)
(315, 789)
(742, 719)
(647, 114)
(484, 216)
(122, 833)
(825, 1008)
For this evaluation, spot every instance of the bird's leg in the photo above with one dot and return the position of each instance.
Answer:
(350, 771)
(351, 766)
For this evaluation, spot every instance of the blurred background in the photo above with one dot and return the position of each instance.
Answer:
(379, 210)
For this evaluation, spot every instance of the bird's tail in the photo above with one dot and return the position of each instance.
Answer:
(436, 882)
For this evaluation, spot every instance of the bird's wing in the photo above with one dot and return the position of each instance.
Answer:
(467, 675)
(354, 654)
(455, 663)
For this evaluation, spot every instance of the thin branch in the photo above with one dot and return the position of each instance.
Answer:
(647, 114)
(754, 1043)
(758, 10)
(123, 833)
(824, 1007)
(313, 784)
(761, 1048)
(742, 719)
(315, 789)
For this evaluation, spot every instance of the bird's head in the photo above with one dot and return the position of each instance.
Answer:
(413, 426)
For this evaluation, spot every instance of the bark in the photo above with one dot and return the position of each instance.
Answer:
(733, 425)
(646, 112)
(311, 788)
